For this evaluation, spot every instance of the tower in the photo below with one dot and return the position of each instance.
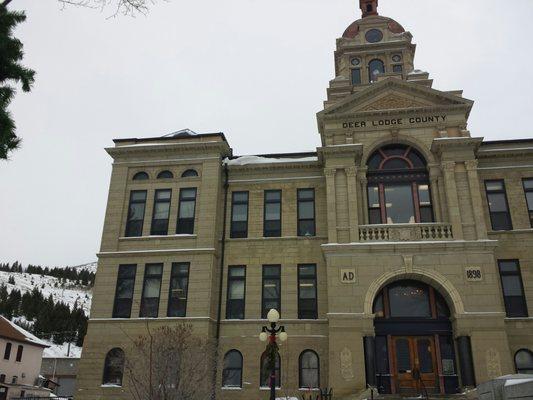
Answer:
(369, 7)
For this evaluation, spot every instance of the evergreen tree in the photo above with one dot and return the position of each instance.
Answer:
(11, 71)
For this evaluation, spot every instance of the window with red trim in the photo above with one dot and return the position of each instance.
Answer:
(398, 186)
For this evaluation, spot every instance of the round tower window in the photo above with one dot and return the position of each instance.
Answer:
(396, 58)
(374, 36)
(355, 61)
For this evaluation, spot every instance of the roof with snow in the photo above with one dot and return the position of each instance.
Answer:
(10, 330)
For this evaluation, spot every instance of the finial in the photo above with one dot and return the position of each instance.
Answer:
(369, 7)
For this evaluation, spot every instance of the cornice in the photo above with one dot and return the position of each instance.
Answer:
(173, 148)
(347, 150)
(450, 144)
(512, 152)
(275, 166)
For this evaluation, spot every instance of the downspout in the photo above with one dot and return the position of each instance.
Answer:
(220, 282)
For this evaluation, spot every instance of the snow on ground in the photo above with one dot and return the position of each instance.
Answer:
(91, 267)
(68, 294)
(61, 350)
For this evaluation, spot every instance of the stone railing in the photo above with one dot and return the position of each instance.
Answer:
(405, 232)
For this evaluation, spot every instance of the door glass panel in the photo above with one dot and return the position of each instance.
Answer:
(425, 356)
(403, 358)
(399, 204)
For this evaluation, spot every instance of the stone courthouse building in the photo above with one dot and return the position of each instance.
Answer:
(399, 254)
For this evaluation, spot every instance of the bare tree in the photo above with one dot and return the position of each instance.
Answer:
(170, 364)
(126, 7)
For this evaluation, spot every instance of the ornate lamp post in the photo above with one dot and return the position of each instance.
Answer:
(270, 334)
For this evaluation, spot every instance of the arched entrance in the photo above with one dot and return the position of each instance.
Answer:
(413, 345)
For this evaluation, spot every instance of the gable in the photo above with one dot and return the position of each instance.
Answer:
(393, 94)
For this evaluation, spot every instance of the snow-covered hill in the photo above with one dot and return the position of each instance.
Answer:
(62, 290)
(67, 292)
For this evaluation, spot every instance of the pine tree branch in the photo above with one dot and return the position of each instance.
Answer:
(6, 2)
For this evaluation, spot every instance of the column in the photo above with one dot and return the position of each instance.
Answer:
(435, 197)
(454, 212)
(351, 177)
(370, 360)
(466, 361)
(331, 204)
(475, 194)
(363, 182)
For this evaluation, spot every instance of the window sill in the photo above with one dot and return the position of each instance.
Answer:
(267, 388)
(111, 385)
(174, 236)
(525, 230)
(518, 319)
(231, 388)
(261, 238)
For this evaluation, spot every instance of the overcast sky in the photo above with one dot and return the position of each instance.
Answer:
(256, 70)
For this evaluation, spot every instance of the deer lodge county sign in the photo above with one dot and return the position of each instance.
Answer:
(394, 121)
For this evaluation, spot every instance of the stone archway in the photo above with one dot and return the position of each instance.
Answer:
(433, 278)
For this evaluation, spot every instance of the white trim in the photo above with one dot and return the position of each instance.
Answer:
(275, 179)
(505, 167)
(282, 320)
(134, 319)
(175, 236)
(162, 144)
(107, 253)
(342, 313)
(165, 161)
(506, 149)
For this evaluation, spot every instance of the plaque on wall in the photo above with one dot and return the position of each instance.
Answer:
(347, 275)
(473, 274)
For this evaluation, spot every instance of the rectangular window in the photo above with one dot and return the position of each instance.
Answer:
(186, 212)
(307, 292)
(179, 284)
(124, 291)
(239, 215)
(161, 212)
(500, 216)
(236, 292)
(271, 289)
(528, 189)
(151, 290)
(397, 68)
(20, 349)
(374, 209)
(424, 202)
(306, 212)
(513, 289)
(7, 351)
(272, 214)
(356, 76)
(134, 224)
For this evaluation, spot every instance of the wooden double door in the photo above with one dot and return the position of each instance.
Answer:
(414, 363)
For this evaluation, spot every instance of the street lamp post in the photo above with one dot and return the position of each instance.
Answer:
(270, 334)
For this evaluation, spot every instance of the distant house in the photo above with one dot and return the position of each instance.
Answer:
(63, 371)
(20, 363)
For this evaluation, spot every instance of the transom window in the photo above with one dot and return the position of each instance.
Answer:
(165, 175)
(140, 176)
(410, 299)
(398, 187)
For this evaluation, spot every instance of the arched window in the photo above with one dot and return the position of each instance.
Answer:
(398, 186)
(523, 360)
(410, 299)
(189, 173)
(165, 175)
(309, 367)
(140, 176)
(375, 67)
(114, 367)
(266, 370)
(232, 372)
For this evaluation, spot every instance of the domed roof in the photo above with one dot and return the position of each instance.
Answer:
(353, 30)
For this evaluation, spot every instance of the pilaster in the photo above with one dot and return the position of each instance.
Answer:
(331, 203)
(454, 212)
(351, 175)
(475, 194)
